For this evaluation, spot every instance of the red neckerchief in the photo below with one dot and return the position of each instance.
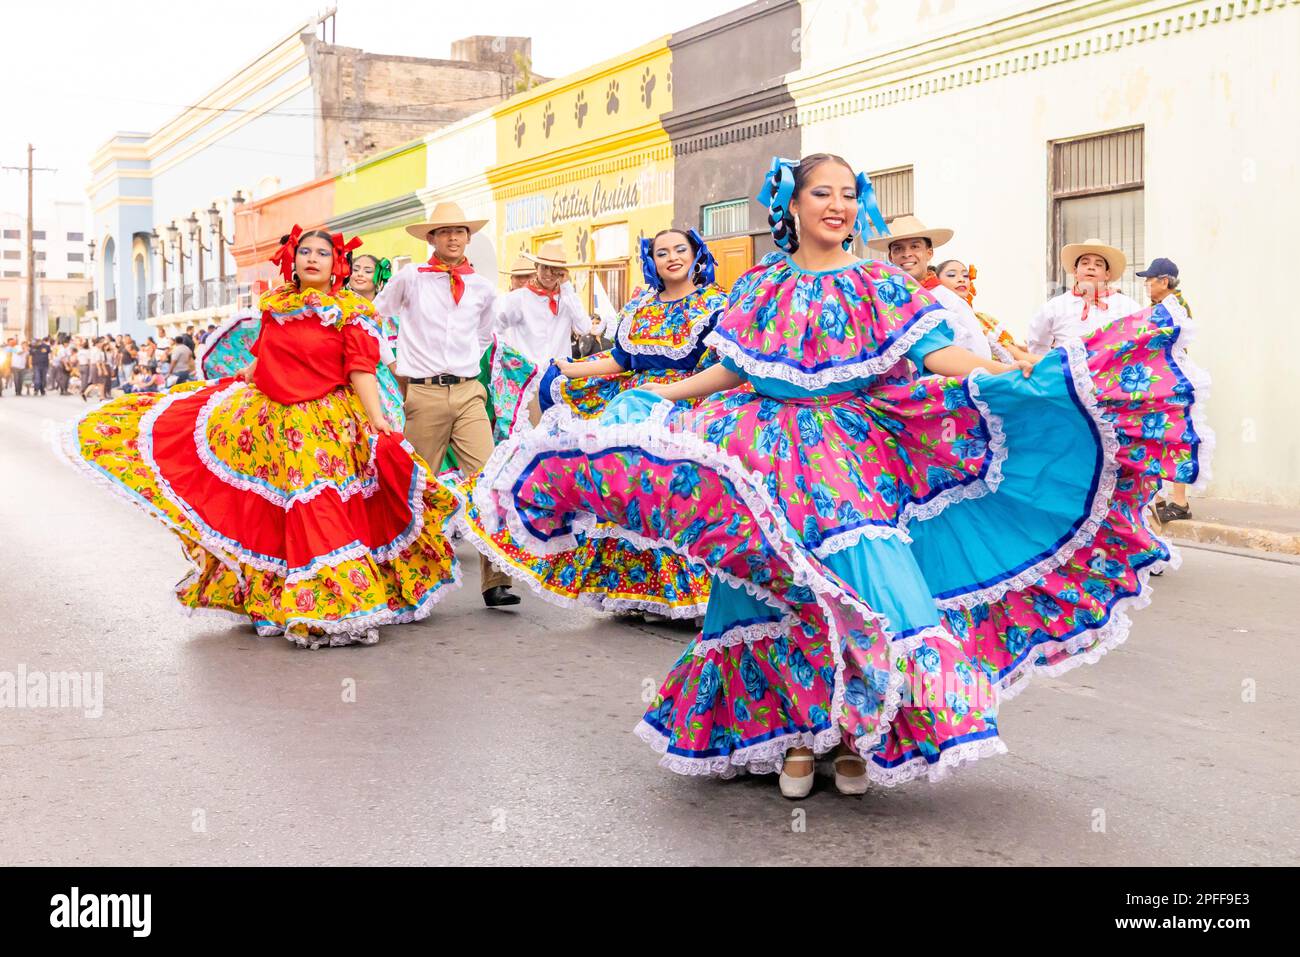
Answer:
(1098, 294)
(552, 297)
(930, 281)
(454, 273)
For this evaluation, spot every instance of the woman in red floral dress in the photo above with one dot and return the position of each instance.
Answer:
(298, 506)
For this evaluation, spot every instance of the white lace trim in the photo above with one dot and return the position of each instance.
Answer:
(1077, 358)
(1106, 638)
(841, 541)
(228, 326)
(1000, 352)
(593, 602)
(698, 325)
(565, 432)
(857, 369)
(767, 757)
(1200, 381)
(949, 758)
(366, 486)
(997, 447)
(233, 554)
(744, 635)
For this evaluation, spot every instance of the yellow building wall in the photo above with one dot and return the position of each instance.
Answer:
(585, 159)
(380, 179)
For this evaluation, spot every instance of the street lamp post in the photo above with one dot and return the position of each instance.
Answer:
(217, 229)
(178, 254)
(162, 256)
(196, 244)
(91, 246)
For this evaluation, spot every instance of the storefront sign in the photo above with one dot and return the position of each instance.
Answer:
(605, 197)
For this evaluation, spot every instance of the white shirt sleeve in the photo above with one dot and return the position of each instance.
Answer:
(486, 321)
(571, 309)
(507, 311)
(391, 300)
(1040, 330)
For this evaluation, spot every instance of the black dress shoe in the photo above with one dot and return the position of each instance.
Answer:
(498, 596)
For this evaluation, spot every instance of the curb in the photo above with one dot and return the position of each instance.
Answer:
(1234, 536)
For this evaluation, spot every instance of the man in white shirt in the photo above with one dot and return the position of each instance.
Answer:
(445, 313)
(910, 246)
(1090, 305)
(521, 271)
(540, 318)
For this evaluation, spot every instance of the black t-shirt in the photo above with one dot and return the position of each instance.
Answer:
(40, 352)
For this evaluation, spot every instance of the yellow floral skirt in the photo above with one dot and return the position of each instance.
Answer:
(293, 517)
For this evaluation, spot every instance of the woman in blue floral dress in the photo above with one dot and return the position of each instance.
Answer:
(659, 339)
(890, 561)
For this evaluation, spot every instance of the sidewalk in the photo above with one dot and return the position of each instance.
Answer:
(1269, 528)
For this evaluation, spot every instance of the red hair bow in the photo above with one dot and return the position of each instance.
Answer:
(283, 257)
(340, 269)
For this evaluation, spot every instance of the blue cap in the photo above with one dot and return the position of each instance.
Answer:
(1159, 267)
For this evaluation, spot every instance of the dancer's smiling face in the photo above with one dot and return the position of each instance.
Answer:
(673, 257)
(362, 281)
(912, 256)
(313, 261)
(826, 206)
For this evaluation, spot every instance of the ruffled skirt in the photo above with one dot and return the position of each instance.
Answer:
(292, 517)
(890, 565)
(603, 571)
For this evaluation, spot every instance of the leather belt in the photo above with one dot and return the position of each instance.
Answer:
(444, 379)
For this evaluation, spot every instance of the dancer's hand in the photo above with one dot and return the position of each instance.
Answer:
(382, 427)
(246, 374)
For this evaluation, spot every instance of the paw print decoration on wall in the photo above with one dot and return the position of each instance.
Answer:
(647, 88)
(548, 120)
(520, 127)
(584, 239)
(611, 98)
(580, 108)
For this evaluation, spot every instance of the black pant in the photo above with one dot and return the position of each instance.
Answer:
(38, 379)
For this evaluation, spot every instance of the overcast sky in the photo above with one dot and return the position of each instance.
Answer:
(77, 71)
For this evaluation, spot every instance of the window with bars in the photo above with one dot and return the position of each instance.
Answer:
(893, 188)
(1097, 193)
(723, 219)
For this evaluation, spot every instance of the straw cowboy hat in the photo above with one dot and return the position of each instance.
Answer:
(551, 254)
(445, 214)
(909, 227)
(521, 267)
(1115, 259)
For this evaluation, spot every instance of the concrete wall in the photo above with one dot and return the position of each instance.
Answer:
(731, 110)
(973, 107)
(368, 103)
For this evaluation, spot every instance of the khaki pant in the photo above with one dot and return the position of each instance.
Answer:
(455, 415)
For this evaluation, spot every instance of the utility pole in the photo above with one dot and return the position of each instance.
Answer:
(30, 323)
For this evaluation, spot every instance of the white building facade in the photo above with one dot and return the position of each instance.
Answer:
(1164, 128)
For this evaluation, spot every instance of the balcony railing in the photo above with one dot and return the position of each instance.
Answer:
(213, 294)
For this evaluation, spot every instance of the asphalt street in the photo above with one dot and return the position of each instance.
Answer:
(504, 737)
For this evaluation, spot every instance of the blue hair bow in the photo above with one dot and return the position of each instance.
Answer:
(648, 270)
(776, 193)
(869, 218)
(703, 266)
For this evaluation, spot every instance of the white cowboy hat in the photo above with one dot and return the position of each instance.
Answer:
(551, 254)
(521, 267)
(1115, 259)
(445, 214)
(909, 227)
